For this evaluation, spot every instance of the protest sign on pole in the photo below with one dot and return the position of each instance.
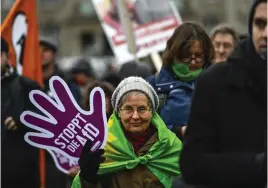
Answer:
(127, 26)
(156, 58)
(153, 22)
(20, 30)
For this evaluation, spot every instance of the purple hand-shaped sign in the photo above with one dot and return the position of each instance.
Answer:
(65, 127)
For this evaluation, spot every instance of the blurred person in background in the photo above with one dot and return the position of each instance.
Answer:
(134, 68)
(140, 150)
(19, 160)
(224, 38)
(49, 50)
(54, 177)
(83, 74)
(226, 139)
(108, 91)
(188, 52)
(111, 76)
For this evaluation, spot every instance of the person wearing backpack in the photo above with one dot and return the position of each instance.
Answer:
(188, 52)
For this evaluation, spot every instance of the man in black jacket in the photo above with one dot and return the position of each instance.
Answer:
(19, 160)
(225, 142)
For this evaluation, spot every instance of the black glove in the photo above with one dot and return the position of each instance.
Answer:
(89, 163)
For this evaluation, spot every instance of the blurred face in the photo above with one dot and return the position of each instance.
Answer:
(259, 28)
(194, 58)
(4, 61)
(80, 79)
(135, 114)
(48, 56)
(224, 45)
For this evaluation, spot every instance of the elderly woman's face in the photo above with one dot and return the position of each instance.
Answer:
(135, 113)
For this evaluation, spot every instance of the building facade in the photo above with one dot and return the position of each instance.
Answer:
(76, 28)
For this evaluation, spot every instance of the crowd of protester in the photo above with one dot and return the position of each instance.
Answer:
(200, 122)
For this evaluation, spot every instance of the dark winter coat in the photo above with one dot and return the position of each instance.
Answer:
(19, 160)
(225, 141)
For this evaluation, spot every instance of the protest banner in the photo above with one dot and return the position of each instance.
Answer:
(64, 127)
(20, 30)
(153, 22)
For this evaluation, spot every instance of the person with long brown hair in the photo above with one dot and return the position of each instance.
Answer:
(188, 52)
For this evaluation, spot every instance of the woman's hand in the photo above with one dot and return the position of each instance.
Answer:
(89, 163)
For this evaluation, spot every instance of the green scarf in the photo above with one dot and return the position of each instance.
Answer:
(162, 159)
(183, 72)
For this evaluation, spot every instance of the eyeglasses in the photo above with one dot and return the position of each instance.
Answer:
(130, 110)
(197, 57)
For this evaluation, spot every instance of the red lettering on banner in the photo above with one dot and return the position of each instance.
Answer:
(147, 30)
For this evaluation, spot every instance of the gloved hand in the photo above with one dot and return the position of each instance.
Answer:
(89, 163)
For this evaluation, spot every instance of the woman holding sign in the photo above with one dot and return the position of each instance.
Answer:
(140, 151)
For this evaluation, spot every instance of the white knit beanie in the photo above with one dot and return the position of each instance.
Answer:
(134, 83)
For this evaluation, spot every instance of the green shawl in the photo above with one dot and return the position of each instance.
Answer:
(162, 159)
